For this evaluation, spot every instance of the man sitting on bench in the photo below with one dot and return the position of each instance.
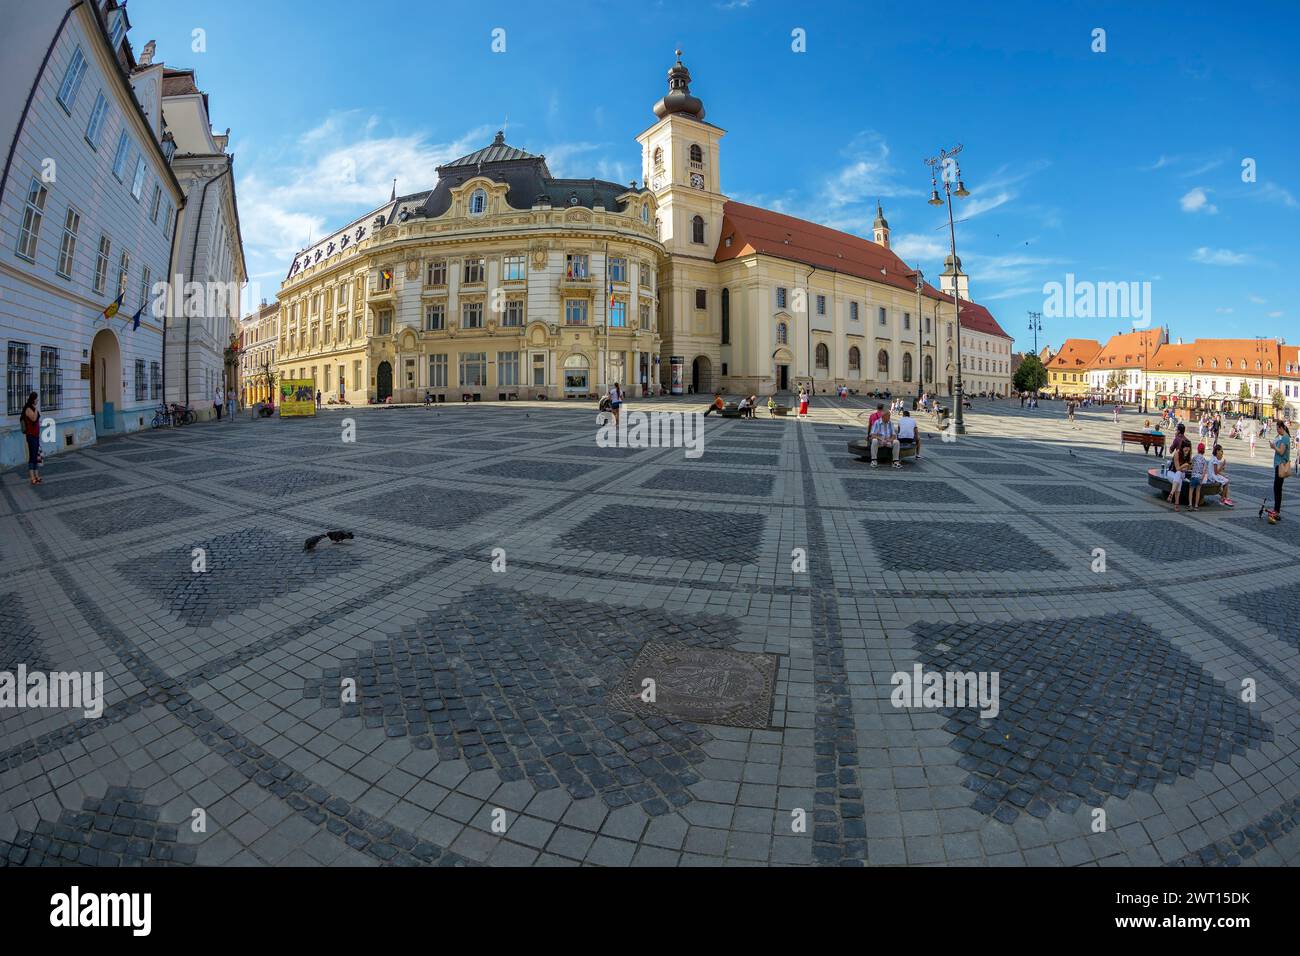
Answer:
(908, 432)
(882, 433)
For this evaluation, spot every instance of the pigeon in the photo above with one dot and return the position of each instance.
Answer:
(1071, 452)
(335, 536)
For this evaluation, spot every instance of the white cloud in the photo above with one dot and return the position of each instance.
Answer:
(1258, 300)
(1275, 315)
(1219, 257)
(916, 246)
(1197, 200)
(1223, 311)
(1272, 192)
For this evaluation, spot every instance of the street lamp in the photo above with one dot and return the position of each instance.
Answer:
(947, 159)
(920, 340)
(1035, 326)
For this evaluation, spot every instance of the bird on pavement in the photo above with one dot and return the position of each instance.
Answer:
(335, 536)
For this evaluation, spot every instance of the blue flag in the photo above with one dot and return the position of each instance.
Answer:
(135, 319)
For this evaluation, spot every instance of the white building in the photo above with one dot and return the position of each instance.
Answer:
(210, 254)
(259, 333)
(88, 212)
(985, 347)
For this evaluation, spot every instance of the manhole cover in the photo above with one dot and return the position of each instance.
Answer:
(706, 686)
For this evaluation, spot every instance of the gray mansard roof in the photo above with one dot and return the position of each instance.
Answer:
(527, 176)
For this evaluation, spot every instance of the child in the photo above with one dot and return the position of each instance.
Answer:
(1200, 472)
(1219, 473)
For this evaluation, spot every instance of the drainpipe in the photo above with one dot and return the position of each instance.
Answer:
(194, 252)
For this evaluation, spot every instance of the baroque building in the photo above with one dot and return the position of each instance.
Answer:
(259, 336)
(504, 281)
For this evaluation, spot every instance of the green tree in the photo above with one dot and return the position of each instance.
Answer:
(1113, 382)
(1030, 376)
(1244, 392)
(1279, 400)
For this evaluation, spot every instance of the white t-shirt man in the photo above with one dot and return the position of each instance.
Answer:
(907, 427)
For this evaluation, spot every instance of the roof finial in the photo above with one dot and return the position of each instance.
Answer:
(500, 138)
(394, 194)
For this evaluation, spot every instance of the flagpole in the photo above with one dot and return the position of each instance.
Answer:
(609, 290)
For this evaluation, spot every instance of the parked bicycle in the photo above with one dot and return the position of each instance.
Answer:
(162, 417)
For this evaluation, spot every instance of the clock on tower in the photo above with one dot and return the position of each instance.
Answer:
(697, 180)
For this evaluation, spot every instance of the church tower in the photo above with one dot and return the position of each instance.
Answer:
(679, 162)
(953, 278)
(880, 228)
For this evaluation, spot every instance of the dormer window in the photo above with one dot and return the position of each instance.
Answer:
(478, 202)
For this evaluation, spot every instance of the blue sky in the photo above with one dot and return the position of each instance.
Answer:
(1122, 166)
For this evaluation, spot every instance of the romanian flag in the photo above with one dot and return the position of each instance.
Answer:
(388, 275)
(611, 293)
(111, 309)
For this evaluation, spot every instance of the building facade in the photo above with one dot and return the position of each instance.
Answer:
(88, 214)
(502, 280)
(210, 270)
(1067, 370)
(259, 336)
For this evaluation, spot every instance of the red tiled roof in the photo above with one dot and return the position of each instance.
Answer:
(753, 230)
(1075, 353)
(1173, 358)
(1129, 349)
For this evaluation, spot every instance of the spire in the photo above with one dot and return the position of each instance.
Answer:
(880, 228)
(393, 196)
(679, 98)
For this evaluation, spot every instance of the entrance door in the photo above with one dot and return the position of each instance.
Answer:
(576, 375)
(105, 380)
(384, 381)
(783, 378)
(701, 375)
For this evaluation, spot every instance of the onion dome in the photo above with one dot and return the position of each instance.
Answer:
(679, 98)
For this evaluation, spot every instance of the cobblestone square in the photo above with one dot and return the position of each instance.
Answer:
(479, 651)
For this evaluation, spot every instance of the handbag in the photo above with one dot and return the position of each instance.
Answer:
(1284, 470)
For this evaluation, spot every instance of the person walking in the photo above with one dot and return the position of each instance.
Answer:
(218, 400)
(318, 397)
(1282, 468)
(32, 432)
(803, 402)
(615, 401)
(230, 404)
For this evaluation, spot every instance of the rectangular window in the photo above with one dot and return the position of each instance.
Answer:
(780, 297)
(155, 380)
(576, 266)
(617, 269)
(33, 216)
(471, 314)
(341, 300)
(385, 322)
(512, 268)
(118, 31)
(137, 184)
(645, 317)
(168, 219)
(141, 383)
(146, 278)
(435, 318)
(385, 282)
(508, 368)
(575, 311)
(473, 368)
(514, 317)
(123, 271)
(121, 155)
(821, 305)
(437, 371)
(155, 203)
(644, 274)
(96, 124)
(618, 314)
(473, 271)
(436, 273)
(907, 320)
(71, 84)
(18, 377)
(51, 381)
(853, 312)
(539, 369)
(356, 374)
(68, 247)
(101, 263)
(883, 318)
(701, 299)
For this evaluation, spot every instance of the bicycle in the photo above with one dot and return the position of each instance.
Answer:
(162, 417)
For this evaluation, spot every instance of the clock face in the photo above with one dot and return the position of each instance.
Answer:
(657, 182)
(697, 180)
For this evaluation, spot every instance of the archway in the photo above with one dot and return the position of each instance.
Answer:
(384, 381)
(701, 374)
(105, 380)
(577, 375)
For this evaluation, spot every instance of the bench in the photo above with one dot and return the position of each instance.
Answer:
(1147, 440)
(730, 411)
(1158, 480)
(781, 410)
(861, 450)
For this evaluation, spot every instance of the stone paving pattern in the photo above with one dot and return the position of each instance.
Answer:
(507, 576)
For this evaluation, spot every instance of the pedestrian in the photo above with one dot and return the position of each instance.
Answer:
(1117, 413)
(1180, 462)
(218, 400)
(1282, 468)
(714, 406)
(318, 398)
(230, 404)
(615, 401)
(1219, 473)
(32, 432)
(882, 433)
(803, 402)
(1199, 476)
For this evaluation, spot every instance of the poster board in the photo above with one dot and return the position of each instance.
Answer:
(297, 397)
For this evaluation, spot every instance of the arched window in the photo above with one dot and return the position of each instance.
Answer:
(478, 202)
(855, 359)
(781, 334)
(823, 355)
(907, 366)
(726, 316)
(697, 229)
(882, 363)
(645, 214)
(659, 156)
(928, 364)
(697, 154)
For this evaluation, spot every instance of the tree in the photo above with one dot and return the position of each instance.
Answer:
(1244, 392)
(1030, 376)
(1113, 382)
(1279, 400)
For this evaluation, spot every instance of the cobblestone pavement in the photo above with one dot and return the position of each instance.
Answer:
(460, 683)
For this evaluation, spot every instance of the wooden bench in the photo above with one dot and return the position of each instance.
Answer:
(861, 450)
(1158, 480)
(1147, 440)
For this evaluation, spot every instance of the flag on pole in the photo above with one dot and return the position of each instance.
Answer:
(611, 293)
(135, 319)
(111, 309)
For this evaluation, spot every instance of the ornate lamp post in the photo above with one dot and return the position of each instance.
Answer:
(947, 159)
(920, 341)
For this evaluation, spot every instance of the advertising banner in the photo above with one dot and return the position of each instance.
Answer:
(677, 365)
(297, 397)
